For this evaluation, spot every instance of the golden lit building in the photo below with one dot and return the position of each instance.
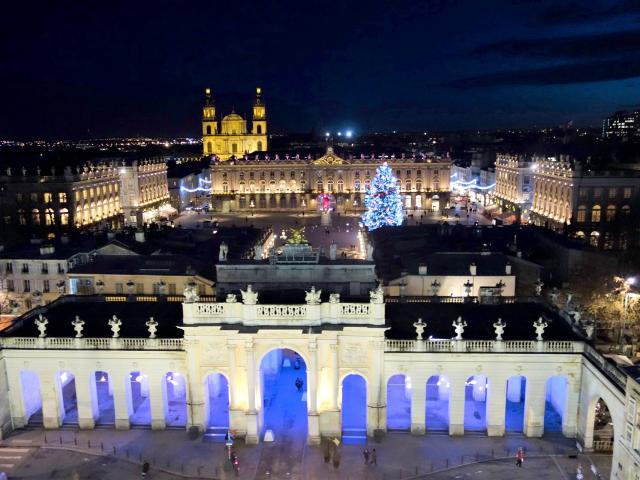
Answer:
(233, 138)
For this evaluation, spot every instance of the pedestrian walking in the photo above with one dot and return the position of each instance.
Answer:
(145, 469)
(520, 457)
(299, 383)
(374, 457)
(365, 454)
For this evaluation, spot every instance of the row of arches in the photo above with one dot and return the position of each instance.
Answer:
(137, 396)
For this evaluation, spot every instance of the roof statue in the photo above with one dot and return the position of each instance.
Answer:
(329, 158)
(296, 236)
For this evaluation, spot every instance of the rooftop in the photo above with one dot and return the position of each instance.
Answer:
(143, 265)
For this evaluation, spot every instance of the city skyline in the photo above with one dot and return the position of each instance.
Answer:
(440, 65)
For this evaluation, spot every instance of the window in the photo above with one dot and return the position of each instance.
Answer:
(45, 268)
(10, 286)
(320, 186)
(626, 210)
(34, 197)
(9, 267)
(48, 197)
(613, 192)
(85, 194)
(18, 197)
(582, 192)
(64, 216)
(626, 194)
(26, 286)
(49, 218)
(595, 213)
(209, 147)
(25, 268)
(418, 185)
(45, 286)
(582, 214)
(356, 185)
(119, 287)
(139, 288)
(259, 129)
(208, 129)
(418, 172)
(611, 213)
(597, 192)
(60, 268)
(594, 239)
(172, 289)
(234, 148)
(259, 146)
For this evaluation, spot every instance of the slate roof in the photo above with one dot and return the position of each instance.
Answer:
(143, 265)
(96, 312)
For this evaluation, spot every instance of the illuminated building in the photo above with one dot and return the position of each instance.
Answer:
(260, 182)
(597, 207)
(232, 138)
(514, 183)
(622, 124)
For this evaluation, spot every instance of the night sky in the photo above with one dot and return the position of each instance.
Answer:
(99, 69)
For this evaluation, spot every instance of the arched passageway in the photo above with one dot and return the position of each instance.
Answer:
(283, 383)
(175, 399)
(104, 398)
(602, 427)
(555, 400)
(437, 403)
(514, 410)
(31, 397)
(217, 400)
(399, 390)
(68, 399)
(354, 409)
(475, 403)
(138, 399)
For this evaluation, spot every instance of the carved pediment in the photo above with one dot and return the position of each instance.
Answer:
(329, 158)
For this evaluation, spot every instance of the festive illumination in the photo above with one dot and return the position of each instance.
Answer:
(383, 202)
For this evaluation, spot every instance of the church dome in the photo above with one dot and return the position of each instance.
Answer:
(233, 117)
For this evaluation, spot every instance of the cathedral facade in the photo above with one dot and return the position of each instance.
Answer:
(231, 137)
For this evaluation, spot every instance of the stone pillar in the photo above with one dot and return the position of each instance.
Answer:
(376, 392)
(158, 402)
(496, 406)
(569, 420)
(335, 374)
(456, 405)
(51, 405)
(87, 401)
(251, 413)
(121, 399)
(418, 405)
(197, 415)
(231, 351)
(312, 395)
(534, 405)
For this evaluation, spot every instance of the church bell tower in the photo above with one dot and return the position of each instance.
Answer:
(209, 123)
(259, 123)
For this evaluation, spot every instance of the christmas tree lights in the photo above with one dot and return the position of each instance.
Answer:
(383, 201)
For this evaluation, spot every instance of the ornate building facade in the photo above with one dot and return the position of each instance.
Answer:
(253, 182)
(514, 183)
(233, 138)
(597, 207)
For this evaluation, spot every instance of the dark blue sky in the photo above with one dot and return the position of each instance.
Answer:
(72, 69)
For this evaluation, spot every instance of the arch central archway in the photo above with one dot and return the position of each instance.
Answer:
(283, 395)
(354, 409)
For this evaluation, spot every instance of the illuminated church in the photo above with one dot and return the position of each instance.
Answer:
(233, 138)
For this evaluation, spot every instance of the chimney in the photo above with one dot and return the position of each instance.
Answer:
(519, 254)
(64, 239)
(422, 269)
(139, 236)
(473, 270)
(507, 268)
(111, 235)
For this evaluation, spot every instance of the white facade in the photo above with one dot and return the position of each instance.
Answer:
(233, 338)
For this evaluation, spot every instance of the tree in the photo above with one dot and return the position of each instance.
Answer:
(383, 201)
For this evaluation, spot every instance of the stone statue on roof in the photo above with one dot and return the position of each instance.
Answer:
(249, 297)
(191, 292)
(540, 325)
(499, 327)
(78, 325)
(152, 326)
(115, 323)
(296, 236)
(224, 250)
(419, 326)
(538, 285)
(312, 297)
(334, 298)
(377, 295)
(459, 326)
(41, 323)
(231, 298)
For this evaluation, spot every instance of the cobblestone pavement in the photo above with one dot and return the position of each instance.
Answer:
(90, 454)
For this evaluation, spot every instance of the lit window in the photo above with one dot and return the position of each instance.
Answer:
(48, 197)
(595, 214)
(62, 197)
(627, 193)
(611, 213)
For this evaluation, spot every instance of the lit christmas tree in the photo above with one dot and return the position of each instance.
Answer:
(383, 202)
